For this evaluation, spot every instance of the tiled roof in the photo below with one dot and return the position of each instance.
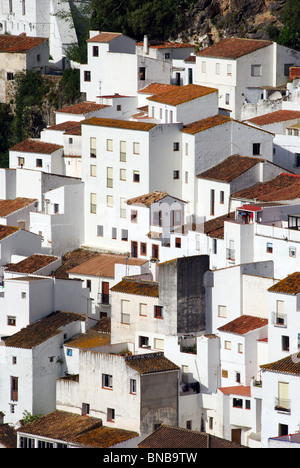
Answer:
(98, 335)
(103, 437)
(275, 117)
(139, 287)
(233, 48)
(40, 331)
(157, 88)
(236, 390)
(149, 198)
(82, 108)
(32, 264)
(8, 436)
(205, 124)
(288, 365)
(231, 168)
(190, 59)
(182, 94)
(289, 285)
(283, 187)
(104, 37)
(125, 124)
(149, 363)
(10, 206)
(244, 324)
(60, 425)
(169, 437)
(104, 265)
(35, 146)
(66, 126)
(294, 73)
(215, 227)
(6, 231)
(167, 45)
(19, 44)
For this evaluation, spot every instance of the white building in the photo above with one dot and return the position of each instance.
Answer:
(242, 68)
(16, 212)
(35, 154)
(39, 18)
(18, 242)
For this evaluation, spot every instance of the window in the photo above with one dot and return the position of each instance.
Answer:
(95, 51)
(123, 151)
(157, 218)
(109, 177)
(136, 148)
(217, 68)
(212, 202)
(23, 8)
(188, 425)
(11, 321)
(109, 201)
(238, 377)
(222, 311)
(186, 177)
(237, 403)
(93, 151)
(297, 155)
(155, 251)
(89, 284)
(109, 145)
(21, 161)
(215, 246)
(240, 348)
(222, 197)
(178, 242)
(123, 206)
(292, 252)
(87, 75)
(286, 68)
(144, 342)
(143, 248)
(93, 203)
(70, 141)
(107, 381)
(143, 309)
(176, 218)
(133, 386)
(283, 402)
(14, 388)
(256, 149)
(23, 295)
(133, 216)
(211, 422)
(227, 98)
(99, 230)
(14, 360)
(142, 73)
(175, 174)
(158, 312)
(159, 343)
(134, 249)
(113, 233)
(124, 235)
(38, 57)
(69, 352)
(122, 174)
(256, 70)
(56, 208)
(203, 67)
(167, 55)
(186, 149)
(85, 409)
(229, 69)
(93, 170)
(119, 107)
(248, 404)
(269, 247)
(285, 340)
(176, 146)
(225, 374)
(136, 176)
(9, 76)
(227, 345)
(110, 415)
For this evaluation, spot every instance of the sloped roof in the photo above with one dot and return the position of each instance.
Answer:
(231, 168)
(32, 264)
(205, 124)
(104, 265)
(40, 331)
(139, 287)
(149, 363)
(289, 285)
(82, 108)
(170, 437)
(19, 44)
(288, 365)
(182, 94)
(236, 390)
(283, 187)
(98, 335)
(104, 37)
(275, 117)
(149, 198)
(167, 45)
(244, 324)
(6, 231)
(10, 206)
(70, 125)
(157, 88)
(215, 227)
(35, 146)
(233, 48)
(115, 123)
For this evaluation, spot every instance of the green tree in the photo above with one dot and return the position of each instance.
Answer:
(70, 85)
(289, 34)
(6, 119)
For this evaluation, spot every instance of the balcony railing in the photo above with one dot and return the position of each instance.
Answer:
(279, 320)
(283, 405)
(230, 254)
(104, 299)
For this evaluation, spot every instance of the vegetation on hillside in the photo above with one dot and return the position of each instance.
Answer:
(289, 34)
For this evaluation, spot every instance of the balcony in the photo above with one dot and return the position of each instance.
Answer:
(104, 299)
(230, 254)
(282, 405)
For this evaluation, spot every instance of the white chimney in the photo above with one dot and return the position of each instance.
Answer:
(146, 45)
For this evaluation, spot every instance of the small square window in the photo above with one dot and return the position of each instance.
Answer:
(175, 174)
(158, 312)
(95, 51)
(136, 176)
(269, 247)
(133, 216)
(293, 252)
(176, 146)
(87, 76)
(256, 149)
(110, 415)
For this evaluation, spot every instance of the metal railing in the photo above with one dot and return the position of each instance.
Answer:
(282, 405)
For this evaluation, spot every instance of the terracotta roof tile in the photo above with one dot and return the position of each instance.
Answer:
(98, 335)
(168, 437)
(104, 37)
(149, 363)
(231, 168)
(283, 187)
(233, 48)
(32, 264)
(182, 94)
(274, 117)
(205, 124)
(19, 44)
(40, 331)
(10, 206)
(294, 73)
(139, 287)
(8, 436)
(168, 45)
(215, 227)
(104, 265)
(82, 108)
(288, 365)
(104, 437)
(65, 126)
(157, 88)
(148, 199)
(289, 285)
(35, 146)
(244, 324)
(236, 390)
(125, 124)
(6, 231)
